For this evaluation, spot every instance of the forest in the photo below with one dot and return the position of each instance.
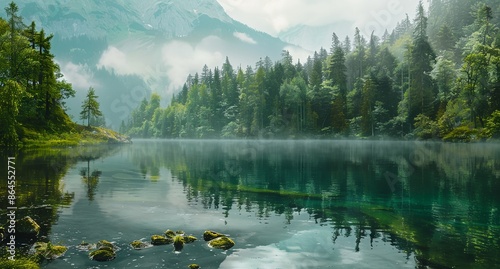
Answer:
(32, 88)
(436, 76)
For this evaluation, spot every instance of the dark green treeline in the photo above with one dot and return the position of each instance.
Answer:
(437, 76)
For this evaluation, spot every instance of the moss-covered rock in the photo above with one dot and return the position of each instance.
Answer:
(223, 242)
(193, 266)
(105, 244)
(102, 255)
(49, 251)
(189, 239)
(85, 246)
(170, 233)
(27, 229)
(160, 240)
(138, 244)
(178, 242)
(210, 235)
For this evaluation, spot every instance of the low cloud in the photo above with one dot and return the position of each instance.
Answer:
(182, 58)
(275, 16)
(113, 59)
(244, 37)
(78, 75)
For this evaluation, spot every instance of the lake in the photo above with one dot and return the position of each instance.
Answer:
(286, 204)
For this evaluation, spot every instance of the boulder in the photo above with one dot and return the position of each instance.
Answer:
(106, 251)
(189, 239)
(160, 240)
(138, 244)
(209, 235)
(223, 242)
(102, 255)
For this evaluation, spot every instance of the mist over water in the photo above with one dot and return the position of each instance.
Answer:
(286, 204)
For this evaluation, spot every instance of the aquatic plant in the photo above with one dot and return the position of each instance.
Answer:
(193, 266)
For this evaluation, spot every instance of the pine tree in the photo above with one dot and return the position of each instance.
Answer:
(90, 107)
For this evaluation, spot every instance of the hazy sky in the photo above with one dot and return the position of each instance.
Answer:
(275, 16)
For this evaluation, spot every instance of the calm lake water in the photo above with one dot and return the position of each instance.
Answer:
(286, 204)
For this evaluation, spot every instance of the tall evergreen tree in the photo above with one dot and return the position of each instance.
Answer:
(90, 106)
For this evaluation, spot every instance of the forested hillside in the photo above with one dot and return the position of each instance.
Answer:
(32, 91)
(436, 76)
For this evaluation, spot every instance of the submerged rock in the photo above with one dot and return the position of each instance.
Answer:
(223, 242)
(160, 240)
(49, 251)
(210, 235)
(193, 266)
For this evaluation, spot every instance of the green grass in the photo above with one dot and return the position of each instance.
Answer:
(78, 136)
(19, 263)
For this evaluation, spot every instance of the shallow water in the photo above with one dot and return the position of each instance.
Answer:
(286, 204)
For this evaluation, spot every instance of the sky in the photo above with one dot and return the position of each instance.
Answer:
(277, 16)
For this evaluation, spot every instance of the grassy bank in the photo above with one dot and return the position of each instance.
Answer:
(78, 135)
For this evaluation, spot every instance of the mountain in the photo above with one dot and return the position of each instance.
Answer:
(127, 49)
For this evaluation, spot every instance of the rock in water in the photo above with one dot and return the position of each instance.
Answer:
(223, 242)
(49, 251)
(209, 235)
(102, 255)
(160, 240)
(106, 251)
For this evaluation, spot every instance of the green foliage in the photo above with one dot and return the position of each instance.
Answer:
(32, 88)
(427, 78)
(461, 134)
(493, 125)
(425, 128)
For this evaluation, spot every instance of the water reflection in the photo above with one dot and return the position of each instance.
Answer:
(39, 183)
(436, 200)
